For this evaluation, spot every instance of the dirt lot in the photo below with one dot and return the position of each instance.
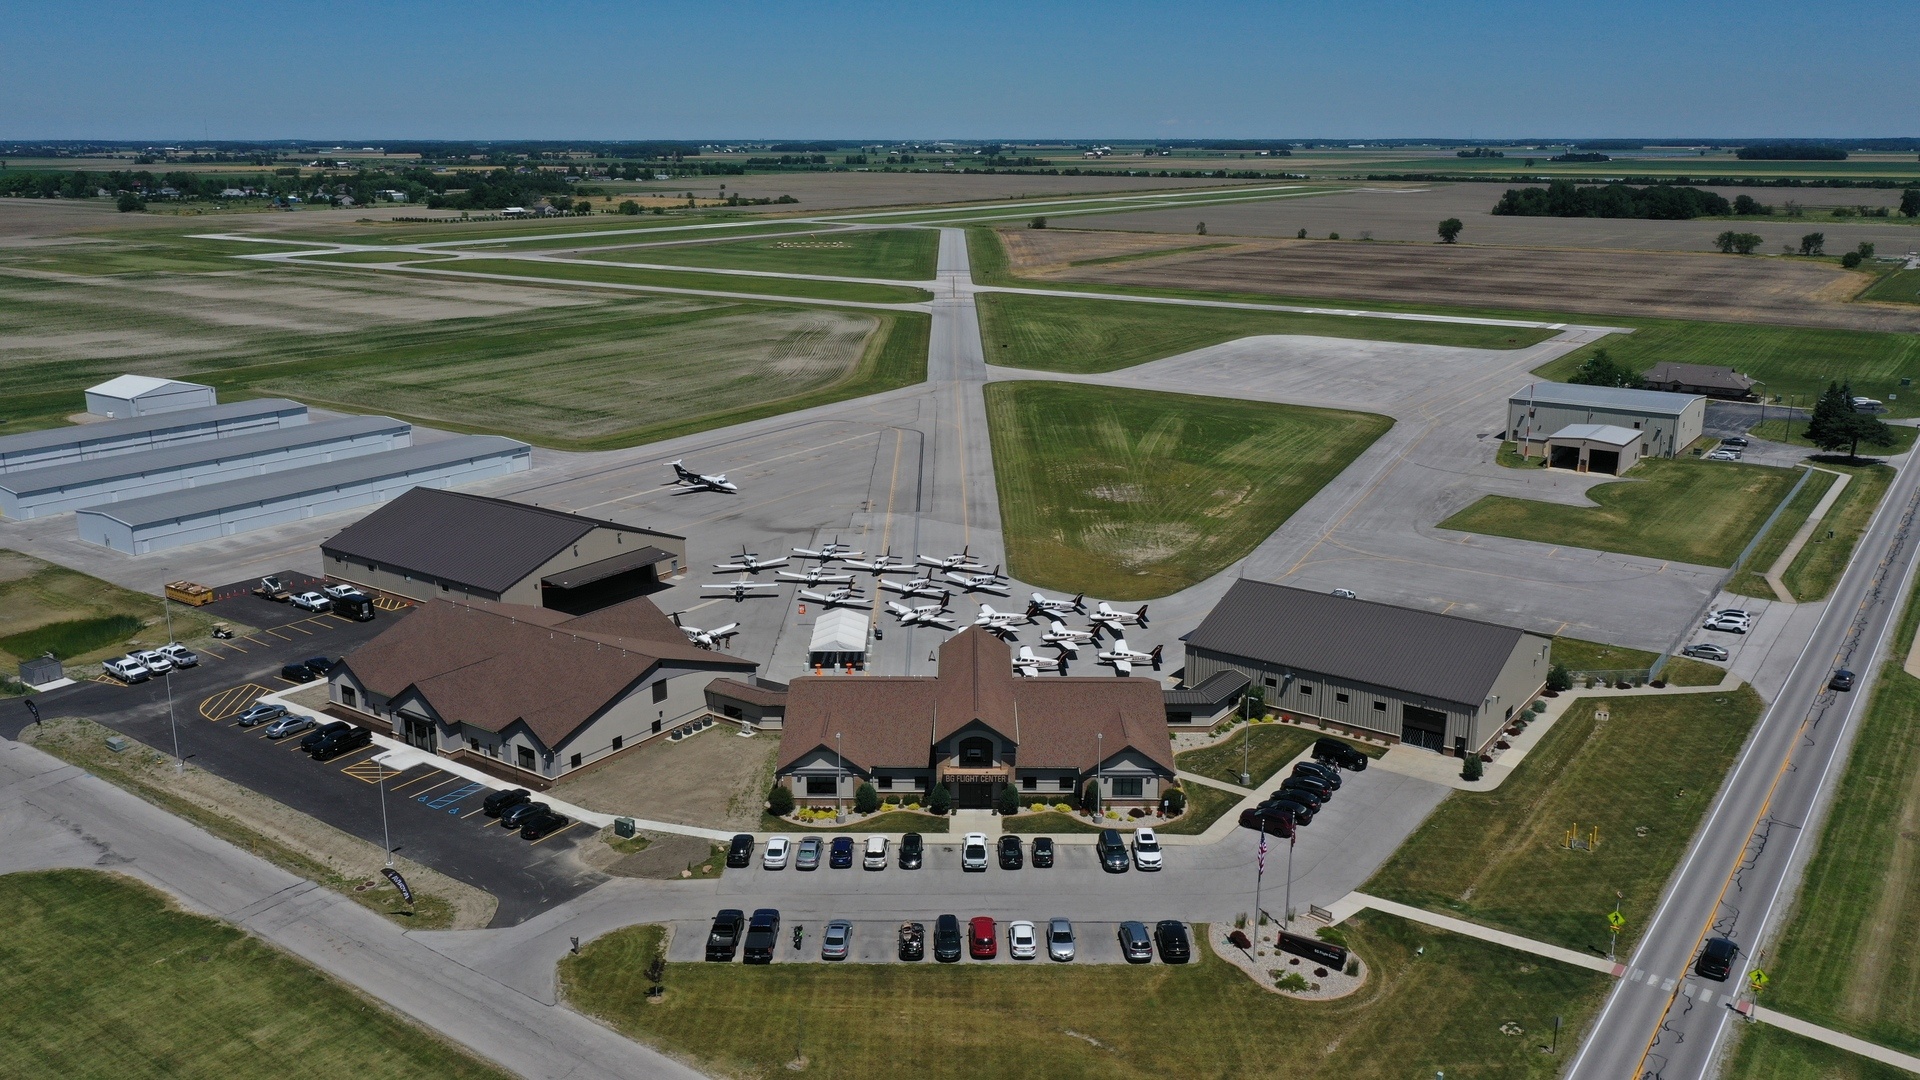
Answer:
(1644, 283)
(714, 779)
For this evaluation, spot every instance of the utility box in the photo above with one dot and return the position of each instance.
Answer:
(118, 743)
(41, 670)
(623, 826)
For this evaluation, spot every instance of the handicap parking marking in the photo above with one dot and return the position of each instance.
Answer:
(232, 701)
(448, 799)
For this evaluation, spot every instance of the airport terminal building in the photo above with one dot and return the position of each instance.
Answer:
(1668, 423)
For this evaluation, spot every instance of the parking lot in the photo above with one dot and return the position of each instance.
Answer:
(433, 816)
(876, 941)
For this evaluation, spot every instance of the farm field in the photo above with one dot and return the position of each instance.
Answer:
(80, 619)
(1699, 512)
(678, 279)
(899, 254)
(1132, 494)
(1107, 1021)
(1081, 336)
(105, 978)
(1499, 857)
(1899, 287)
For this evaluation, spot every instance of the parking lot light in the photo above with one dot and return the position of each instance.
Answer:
(166, 613)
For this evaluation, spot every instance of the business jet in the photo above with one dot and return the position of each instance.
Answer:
(962, 561)
(707, 639)
(1116, 621)
(816, 576)
(923, 615)
(750, 563)
(844, 596)
(1043, 603)
(691, 481)
(1123, 658)
(742, 588)
(993, 582)
(1060, 637)
(1030, 665)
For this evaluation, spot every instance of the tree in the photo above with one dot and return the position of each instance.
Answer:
(780, 800)
(1601, 369)
(1813, 244)
(1174, 802)
(1470, 770)
(1835, 424)
(1748, 206)
(629, 207)
(1725, 242)
(1007, 803)
(1865, 250)
(1910, 202)
(1090, 798)
(1559, 679)
(130, 202)
(1037, 223)
(941, 800)
(1850, 260)
(1302, 234)
(1450, 230)
(1746, 243)
(1202, 229)
(865, 799)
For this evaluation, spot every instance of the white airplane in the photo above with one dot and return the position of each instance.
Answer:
(1060, 637)
(1115, 621)
(1000, 622)
(829, 552)
(750, 563)
(707, 639)
(992, 582)
(1042, 602)
(920, 586)
(684, 477)
(881, 564)
(1123, 658)
(743, 588)
(844, 596)
(1030, 665)
(816, 576)
(962, 561)
(924, 615)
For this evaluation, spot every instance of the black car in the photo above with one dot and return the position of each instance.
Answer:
(1299, 795)
(1113, 852)
(1308, 782)
(1716, 960)
(1042, 852)
(342, 742)
(318, 735)
(1302, 813)
(740, 852)
(1170, 935)
(1340, 753)
(1322, 770)
(912, 851)
(296, 673)
(1736, 442)
(543, 822)
(1842, 681)
(724, 939)
(318, 666)
(763, 936)
(1269, 820)
(913, 941)
(840, 855)
(517, 814)
(501, 801)
(946, 939)
(1009, 853)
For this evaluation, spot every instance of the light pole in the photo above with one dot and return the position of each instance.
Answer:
(1099, 763)
(1246, 755)
(839, 777)
(386, 837)
(166, 612)
(1289, 908)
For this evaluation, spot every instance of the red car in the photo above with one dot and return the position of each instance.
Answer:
(982, 942)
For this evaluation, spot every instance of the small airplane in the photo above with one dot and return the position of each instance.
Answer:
(743, 588)
(962, 561)
(684, 477)
(1042, 602)
(993, 582)
(1000, 622)
(1060, 637)
(920, 586)
(881, 564)
(1030, 665)
(844, 596)
(816, 576)
(1123, 658)
(750, 563)
(707, 639)
(829, 552)
(1116, 620)
(924, 615)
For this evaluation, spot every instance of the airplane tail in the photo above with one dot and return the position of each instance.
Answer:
(1080, 602)
(675, 616)
(1156, 656)
(1143, 615)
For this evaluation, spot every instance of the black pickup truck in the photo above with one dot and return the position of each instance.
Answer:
(724, 939)
(763, 936)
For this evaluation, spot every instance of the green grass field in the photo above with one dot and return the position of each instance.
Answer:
(105, 979)
(1081, 336)
(1752, 580)
(1132, 494)
(351, 257)
(1795, 434)
(1849, 956)
(1899, 287)
(1768, 1053)
(80, 618)
(1688, 511)
(1686, 671)
(72, 637)
(1579, 655)
(1818, 567)
(1498, 857)
(1111, 1022)
(897, 254)
(1265, 746)
(684, 279)
(1205, 805)
(1047, 822)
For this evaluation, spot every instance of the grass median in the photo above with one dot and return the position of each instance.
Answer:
(1500, 857)
(855, 292)
(1818, 567)
(1262, 748)
(105, 977)
(899, 254)
(1132, 494)
(1110, 1021)
(1768, 1053)
(1701, 512)
(1752, 578)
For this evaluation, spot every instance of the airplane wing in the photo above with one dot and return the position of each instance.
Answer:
(991, 586)
(788, 575)
(1028, 670)
(940, 621)
(1122, 666)
(767, 564)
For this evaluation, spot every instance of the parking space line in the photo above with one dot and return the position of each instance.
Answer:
(234, 647)
(553, 834)
(431, 773)
(296, 626)
(231, 702)
(482, 809)
(423, 791)
(277, 634)
(368, 750)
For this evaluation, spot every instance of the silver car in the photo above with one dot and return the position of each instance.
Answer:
(262, 714)
(290, 724)
(838, 939)
(1059, 940)
(809, 856)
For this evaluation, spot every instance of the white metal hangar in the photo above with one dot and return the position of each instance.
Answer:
(31, 493)
(1671, 422)
(158, 522)
(1426, 679)
(450, 545)
(144, 395)
(56, 446)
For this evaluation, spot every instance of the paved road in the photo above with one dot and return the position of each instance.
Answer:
(1740, 875)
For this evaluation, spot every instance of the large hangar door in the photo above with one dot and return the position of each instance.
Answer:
(1425, 728)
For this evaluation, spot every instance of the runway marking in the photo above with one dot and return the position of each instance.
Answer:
(232, 701)
(1666, 986)
(893, 485)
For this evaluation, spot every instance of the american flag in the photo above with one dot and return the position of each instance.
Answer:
(1263, 853)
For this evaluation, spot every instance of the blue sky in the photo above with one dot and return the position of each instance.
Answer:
(1358, 69)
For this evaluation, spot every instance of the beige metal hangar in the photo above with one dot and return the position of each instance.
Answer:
(1671, 422)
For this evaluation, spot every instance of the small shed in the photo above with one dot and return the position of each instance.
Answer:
(41, 671)
(144, 395)
(839, 639)
(1600, 448)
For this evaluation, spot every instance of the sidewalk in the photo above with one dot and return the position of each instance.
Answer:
(1353, 903)
(1833, 1038)
(1805, 533)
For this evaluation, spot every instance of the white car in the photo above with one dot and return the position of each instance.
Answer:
(1724, 455)
(126, 669)
(1021, 942)
(340, 592)
(876, 856)
(1704, 651)
(180, 655)
(1728, 626)
(1346, 594)
(973, 851)
(1059, 940)
(1146, 849)
(153, 660)
(312, 601)
(775, 857)
(1731, 613)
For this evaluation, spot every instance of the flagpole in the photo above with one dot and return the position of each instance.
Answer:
(1260, 871)
(1289, 910)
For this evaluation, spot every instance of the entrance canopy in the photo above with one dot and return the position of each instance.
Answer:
(839, 638)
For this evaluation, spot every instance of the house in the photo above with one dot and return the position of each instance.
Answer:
(1707, 380)
(976, 728)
